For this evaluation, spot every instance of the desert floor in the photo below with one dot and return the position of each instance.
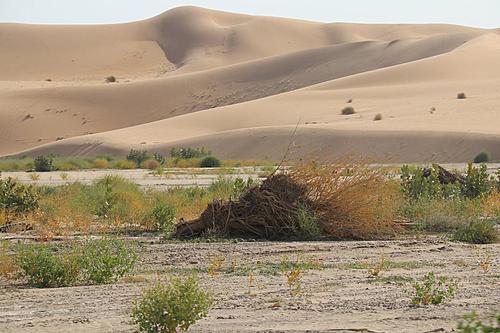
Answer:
(339, 297)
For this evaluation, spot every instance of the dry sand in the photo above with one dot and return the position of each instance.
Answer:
(239, 84)
(341, 297)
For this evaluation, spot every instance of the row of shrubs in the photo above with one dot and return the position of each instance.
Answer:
(99, 261)
(469, 211)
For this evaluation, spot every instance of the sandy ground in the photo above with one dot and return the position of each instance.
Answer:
(239, 84)
(340, 297)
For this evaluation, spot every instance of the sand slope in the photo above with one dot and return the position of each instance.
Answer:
(239, 84)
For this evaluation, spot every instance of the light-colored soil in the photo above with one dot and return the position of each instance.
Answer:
(341, 297)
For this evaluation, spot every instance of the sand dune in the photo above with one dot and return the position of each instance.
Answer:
(238, 84)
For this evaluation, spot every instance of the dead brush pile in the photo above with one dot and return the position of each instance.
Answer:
(345, 200)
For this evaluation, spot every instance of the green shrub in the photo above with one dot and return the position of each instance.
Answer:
(415, 185)
(16, 197)
(482, 157)
(167, 308)
(44, 268)
(308, 225)
(210, 162)
(189, 153)
(43, 163)
(432, 290)
(477, 231)
(473, 325)
(159, 158)
(163, 215)
(137, 156)
(348, 110)
(476, 182)
(106, 260)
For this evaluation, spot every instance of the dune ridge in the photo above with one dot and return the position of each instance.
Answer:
(236, 83)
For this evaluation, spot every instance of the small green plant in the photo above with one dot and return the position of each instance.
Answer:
(473, 325)
(477, 231)
(44, 268)
(16, 197)
(210, 162)
(189, 153)
(432, 290)
(43, 163)
(476, 182)
(348, 110)
(107, 198)
(482, 157)
(159, 158)
(106, 260)
(308, 225)
(137, 156)
(416, 185)
(163, 215)
(377, 117)
(167, 308)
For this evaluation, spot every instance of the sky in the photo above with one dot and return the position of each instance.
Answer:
(478, 13)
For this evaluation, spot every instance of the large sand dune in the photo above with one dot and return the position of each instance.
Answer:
(239, 84)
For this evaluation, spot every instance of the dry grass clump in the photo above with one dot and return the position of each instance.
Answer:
(101, 163)
(377, 117)
(346, 200)
(351, 200)
(348, 110)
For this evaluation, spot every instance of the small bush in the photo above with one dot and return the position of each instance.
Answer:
(106, 260)
(163, 215)
(473, 325)
(151, 164)
(137, 156)
(159, 158)
(125, 165)
(441, 222)
(44, 268)
(377, 117)
(43, 163)
(101, 163)
(477, 231)
(167, 308)
(110, 79)
(308, 225)
(189, 153)
(348, 110)
(482, 157)
(210, 162)
(415, 185)
(16, 197)
(476, 182)
(432, 290)
(461, 96)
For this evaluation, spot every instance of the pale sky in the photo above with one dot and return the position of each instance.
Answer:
(479, 13)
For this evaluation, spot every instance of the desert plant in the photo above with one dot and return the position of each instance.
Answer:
(308, 224)
(377, 117)
(150, 165)
(167, 308)
(159, 158)
(461, 96)
(477, 231)
(473, 325)
(432, 290)
(106, 260)
(476, 182)
(101, 163)
(137, 156)
(189, 153)
(415, 185)
(210, 162)
(44, 268)
(16, 197)
(110, 79)
(348, 110)
(482, 157)
(43, 163)
(163, 215)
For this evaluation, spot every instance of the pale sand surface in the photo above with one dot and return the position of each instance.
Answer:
(239, 84)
